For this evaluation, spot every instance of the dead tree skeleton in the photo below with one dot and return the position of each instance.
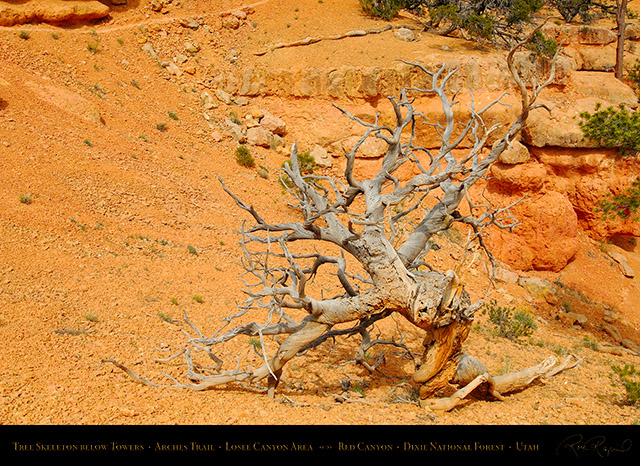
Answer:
(359, 218)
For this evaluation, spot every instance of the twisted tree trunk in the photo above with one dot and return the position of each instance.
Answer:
(397, 278)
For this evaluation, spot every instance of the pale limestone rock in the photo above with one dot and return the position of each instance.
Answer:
(206, 101)
(189, 23)
(321, 156)
(622, 262)
(180, 58)
(274, 124)
(172, 68)
(594, 35)
(149, 50)
(224, 96)
(192, 46)
(405, 34)
(258, 136)
(539, 288)
(515, 153)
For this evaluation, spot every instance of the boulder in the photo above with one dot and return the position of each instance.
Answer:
(520, 178)
(605, 87)
(560, 127)
(594, 35)
(593, 58)
(370, 148)
(258, 136)
(405, 34)
(230, 22)
(539, 289)
(514, 154)
(321, 156)
(545, 239)
(274, 124)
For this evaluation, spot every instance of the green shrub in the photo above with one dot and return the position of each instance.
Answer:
(233, 116)
(306, 163)
(385, 9)
(244, 157)
(23, 35)
(630, 378)
(634, 74)
(543, 45)
(613, 128)
(621, 205)
(509, 322)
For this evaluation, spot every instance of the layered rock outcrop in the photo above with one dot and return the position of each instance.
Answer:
(51, 11)
(562, 174)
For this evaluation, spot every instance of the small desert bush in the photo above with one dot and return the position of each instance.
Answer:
(306, 163)
(510, 322)
(244, 157)
(630, 378)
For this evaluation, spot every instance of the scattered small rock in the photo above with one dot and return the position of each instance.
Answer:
(224, 96)
(172, 68)
(241, 100)
(572, 318)
(236, 132)
(622, 262)
(206, 101)
(506, 276)
(189, 23)
(149, 50)
(240, 14)
(515, 153)
(180, 58)
(192, 47)
(230, 22)
(217, 136)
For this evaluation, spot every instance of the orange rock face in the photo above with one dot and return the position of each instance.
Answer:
(545, 239)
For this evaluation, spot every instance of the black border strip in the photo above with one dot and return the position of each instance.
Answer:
(299, 442)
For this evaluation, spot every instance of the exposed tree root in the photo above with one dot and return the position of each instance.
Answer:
(476, 380)
(314, 40)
